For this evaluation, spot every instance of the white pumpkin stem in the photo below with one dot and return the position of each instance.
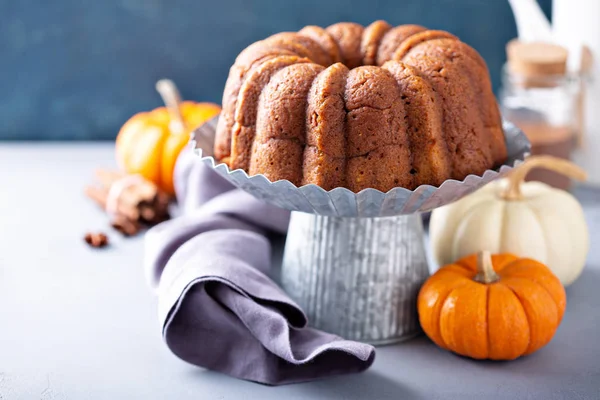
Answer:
(517, 176)
(485, 268)
(170, 96)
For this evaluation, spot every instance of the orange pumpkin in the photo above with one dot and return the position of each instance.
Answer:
(498, 308)
(150, 142)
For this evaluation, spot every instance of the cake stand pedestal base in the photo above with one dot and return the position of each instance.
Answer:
(357, 277)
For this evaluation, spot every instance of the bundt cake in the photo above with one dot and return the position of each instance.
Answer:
(348, 106)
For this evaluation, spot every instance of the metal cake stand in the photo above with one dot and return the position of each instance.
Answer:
(355, 262)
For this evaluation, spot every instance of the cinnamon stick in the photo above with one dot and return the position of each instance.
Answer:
(138, 202)
(125, 226)
(132, 194)
(100, 197)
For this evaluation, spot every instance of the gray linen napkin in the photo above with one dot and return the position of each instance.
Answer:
(217, 306)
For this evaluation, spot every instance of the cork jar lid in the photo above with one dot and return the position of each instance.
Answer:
(536, 59)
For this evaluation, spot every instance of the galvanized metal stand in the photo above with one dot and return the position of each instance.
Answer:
(357, 277)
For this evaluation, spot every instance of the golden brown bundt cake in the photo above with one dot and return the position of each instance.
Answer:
(360, 107)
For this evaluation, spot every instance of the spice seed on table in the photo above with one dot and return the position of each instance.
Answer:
(96, 240)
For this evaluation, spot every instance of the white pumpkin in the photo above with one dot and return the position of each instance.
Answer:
(530, 220)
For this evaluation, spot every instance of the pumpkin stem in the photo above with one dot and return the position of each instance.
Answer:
(170, 96)
(517, 176)
(485, 268)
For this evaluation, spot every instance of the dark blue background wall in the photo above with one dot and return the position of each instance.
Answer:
(77, 69)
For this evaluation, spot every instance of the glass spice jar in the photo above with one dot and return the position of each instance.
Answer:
(541, 98)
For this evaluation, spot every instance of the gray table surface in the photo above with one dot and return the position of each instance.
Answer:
(79, 323)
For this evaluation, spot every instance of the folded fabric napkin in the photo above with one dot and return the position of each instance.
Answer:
(217, 306)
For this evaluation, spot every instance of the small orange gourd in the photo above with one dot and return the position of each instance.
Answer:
(150, 142)
(492, 307)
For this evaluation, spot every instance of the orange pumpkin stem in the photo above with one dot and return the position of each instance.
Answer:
(485, 269)
(517, 177)
(170, 96)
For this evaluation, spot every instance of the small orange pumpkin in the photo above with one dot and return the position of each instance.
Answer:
(498, 308)
(150, 142)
